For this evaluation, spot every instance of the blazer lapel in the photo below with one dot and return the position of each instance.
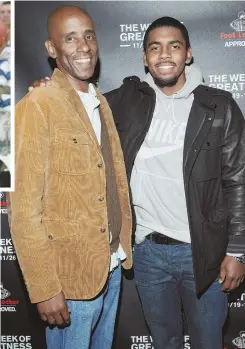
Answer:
(199, 123)
(105, 111)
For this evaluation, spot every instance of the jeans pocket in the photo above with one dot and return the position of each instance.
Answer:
(140, 245)
(141, 256)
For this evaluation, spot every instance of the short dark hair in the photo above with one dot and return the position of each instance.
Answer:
(167, 22)
(6, 3)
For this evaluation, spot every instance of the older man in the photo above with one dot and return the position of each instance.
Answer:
(71, 218)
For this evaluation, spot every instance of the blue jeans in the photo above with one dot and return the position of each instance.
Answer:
(165, 283)
(92, 321)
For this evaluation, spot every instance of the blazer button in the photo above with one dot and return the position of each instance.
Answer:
(100, 164)
(50, 237)
(101, 198)
(102, 230)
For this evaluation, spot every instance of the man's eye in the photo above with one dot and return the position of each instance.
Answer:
(90, 37)
(70, 39)
(154, 48)
(176, 46)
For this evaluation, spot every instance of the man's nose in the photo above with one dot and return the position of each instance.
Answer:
(165, 52)
(83, 46)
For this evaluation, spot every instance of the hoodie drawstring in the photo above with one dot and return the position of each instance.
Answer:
(172, 99)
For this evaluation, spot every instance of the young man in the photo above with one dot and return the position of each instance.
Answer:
(71, 218)
(183, 146)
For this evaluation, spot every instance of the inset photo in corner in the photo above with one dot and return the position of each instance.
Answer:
(6, 155)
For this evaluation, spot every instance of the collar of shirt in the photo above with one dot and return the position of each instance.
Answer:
(91, 103)
(89, 98)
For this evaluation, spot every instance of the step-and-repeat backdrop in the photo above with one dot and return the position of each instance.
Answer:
(217, 33)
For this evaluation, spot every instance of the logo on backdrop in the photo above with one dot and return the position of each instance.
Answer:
(233, 39)
(239, 23)
(3, 204)
(4, 293)
(15, 342)
(7, 252)
(233, 82)
(240, 341)
(132, 35)
(239, 303)
(7, 305)
(141, 342)
(145, 342)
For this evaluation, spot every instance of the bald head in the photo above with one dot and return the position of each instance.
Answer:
(73, 44)
(59, 15)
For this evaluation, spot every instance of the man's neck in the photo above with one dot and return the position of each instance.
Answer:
(77, 84)
(172, 90)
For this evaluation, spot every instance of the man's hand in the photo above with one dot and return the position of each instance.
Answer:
(232, 273)
(55, 310)
(40, 83)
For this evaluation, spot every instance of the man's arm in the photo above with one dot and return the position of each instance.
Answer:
(28, 232)
(29, 236)
(233, 181)
(233, 176)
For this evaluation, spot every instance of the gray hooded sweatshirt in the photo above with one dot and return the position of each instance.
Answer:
(157, 177)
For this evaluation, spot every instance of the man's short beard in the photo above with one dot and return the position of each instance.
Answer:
(165, 83)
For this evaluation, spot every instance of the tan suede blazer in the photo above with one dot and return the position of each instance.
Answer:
(59, 215)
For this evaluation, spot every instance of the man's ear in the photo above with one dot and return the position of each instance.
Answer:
(188, 56)
(145, 59)
(50, 48)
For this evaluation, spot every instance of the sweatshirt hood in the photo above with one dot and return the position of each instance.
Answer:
(194, 78)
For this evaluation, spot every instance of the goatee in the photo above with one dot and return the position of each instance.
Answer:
(165, 83)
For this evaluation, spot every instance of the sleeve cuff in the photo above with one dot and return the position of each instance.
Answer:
(236, 244)
(234, 254)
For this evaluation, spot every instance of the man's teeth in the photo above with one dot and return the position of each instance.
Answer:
(166, 67)
(83, 60)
